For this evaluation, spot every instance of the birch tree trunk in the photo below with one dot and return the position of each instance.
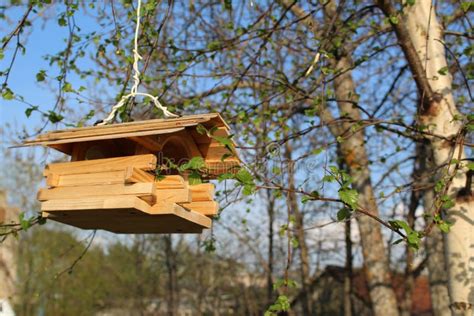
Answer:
(300, 234)
(355, 158)
(7, 252)
(420, 37)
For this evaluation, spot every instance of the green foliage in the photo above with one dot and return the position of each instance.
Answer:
(349, 197)
(413, 238)
(313, 196)
(196, 163)
(25, 222)
(41, 75)
(467, 5)
(54, 117)
(344, 214)
(30, 110)
(7, 94)
(447, 202)
(246, 179)
(443, 225)
(282, 304)
(443, 71)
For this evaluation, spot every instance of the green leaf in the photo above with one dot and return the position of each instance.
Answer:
(225, 176)
(2, 54)
(317, 151)
(393, 19)
(224, 141)
(466, 5)
(54, 117)
(447, 202)
(201, 129)
(244, 176)
(294, 242)
(24, 223)
(396, 242)
(195, 163)
(350, 197)
(228, 5)
(343, 214)
(249, 189)
(41, 75)
(7, 94)
(67, 87)
(444, 226)
(214, 45)
(194, 178)
(62, 21)
(182, 67)
(30, 110)
(282, 230)
(413, 239)
(470, 166)
(411, 2)
(329, 178)
(443, 71)
(398, 224)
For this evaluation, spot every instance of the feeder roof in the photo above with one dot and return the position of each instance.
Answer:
(55, 139)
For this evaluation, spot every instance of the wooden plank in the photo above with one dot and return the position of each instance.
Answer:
(215, 151)
(135, 175)
(164, 196)
(138, 129)
(52, 180)
(202, 192)
(217, 167)
(184, 139)
(208, 208)
(124, 215)
(138, 124)
(95, 203)
(84, 179)
(146, 162)
(144, 190)
(181, 212)
(170, 182)
(123, 223)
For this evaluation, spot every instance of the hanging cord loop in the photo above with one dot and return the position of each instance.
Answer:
(136, 81)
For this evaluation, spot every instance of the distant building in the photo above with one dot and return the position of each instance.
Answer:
(328, 293)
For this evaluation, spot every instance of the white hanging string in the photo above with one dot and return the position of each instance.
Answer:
(136, 81)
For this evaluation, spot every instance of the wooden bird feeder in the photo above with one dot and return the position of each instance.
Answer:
(111, 183)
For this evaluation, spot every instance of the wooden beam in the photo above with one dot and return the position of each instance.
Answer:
(135, 175)
(137, 129)
(84, 179)
(149, 142)
(170, 182)
(208, 208)
(145, 162)
(95, 203)
(164, 196)
(146, 191)
(202, 192)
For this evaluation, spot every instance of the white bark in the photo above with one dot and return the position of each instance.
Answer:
(426, 35)
(7, 253)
